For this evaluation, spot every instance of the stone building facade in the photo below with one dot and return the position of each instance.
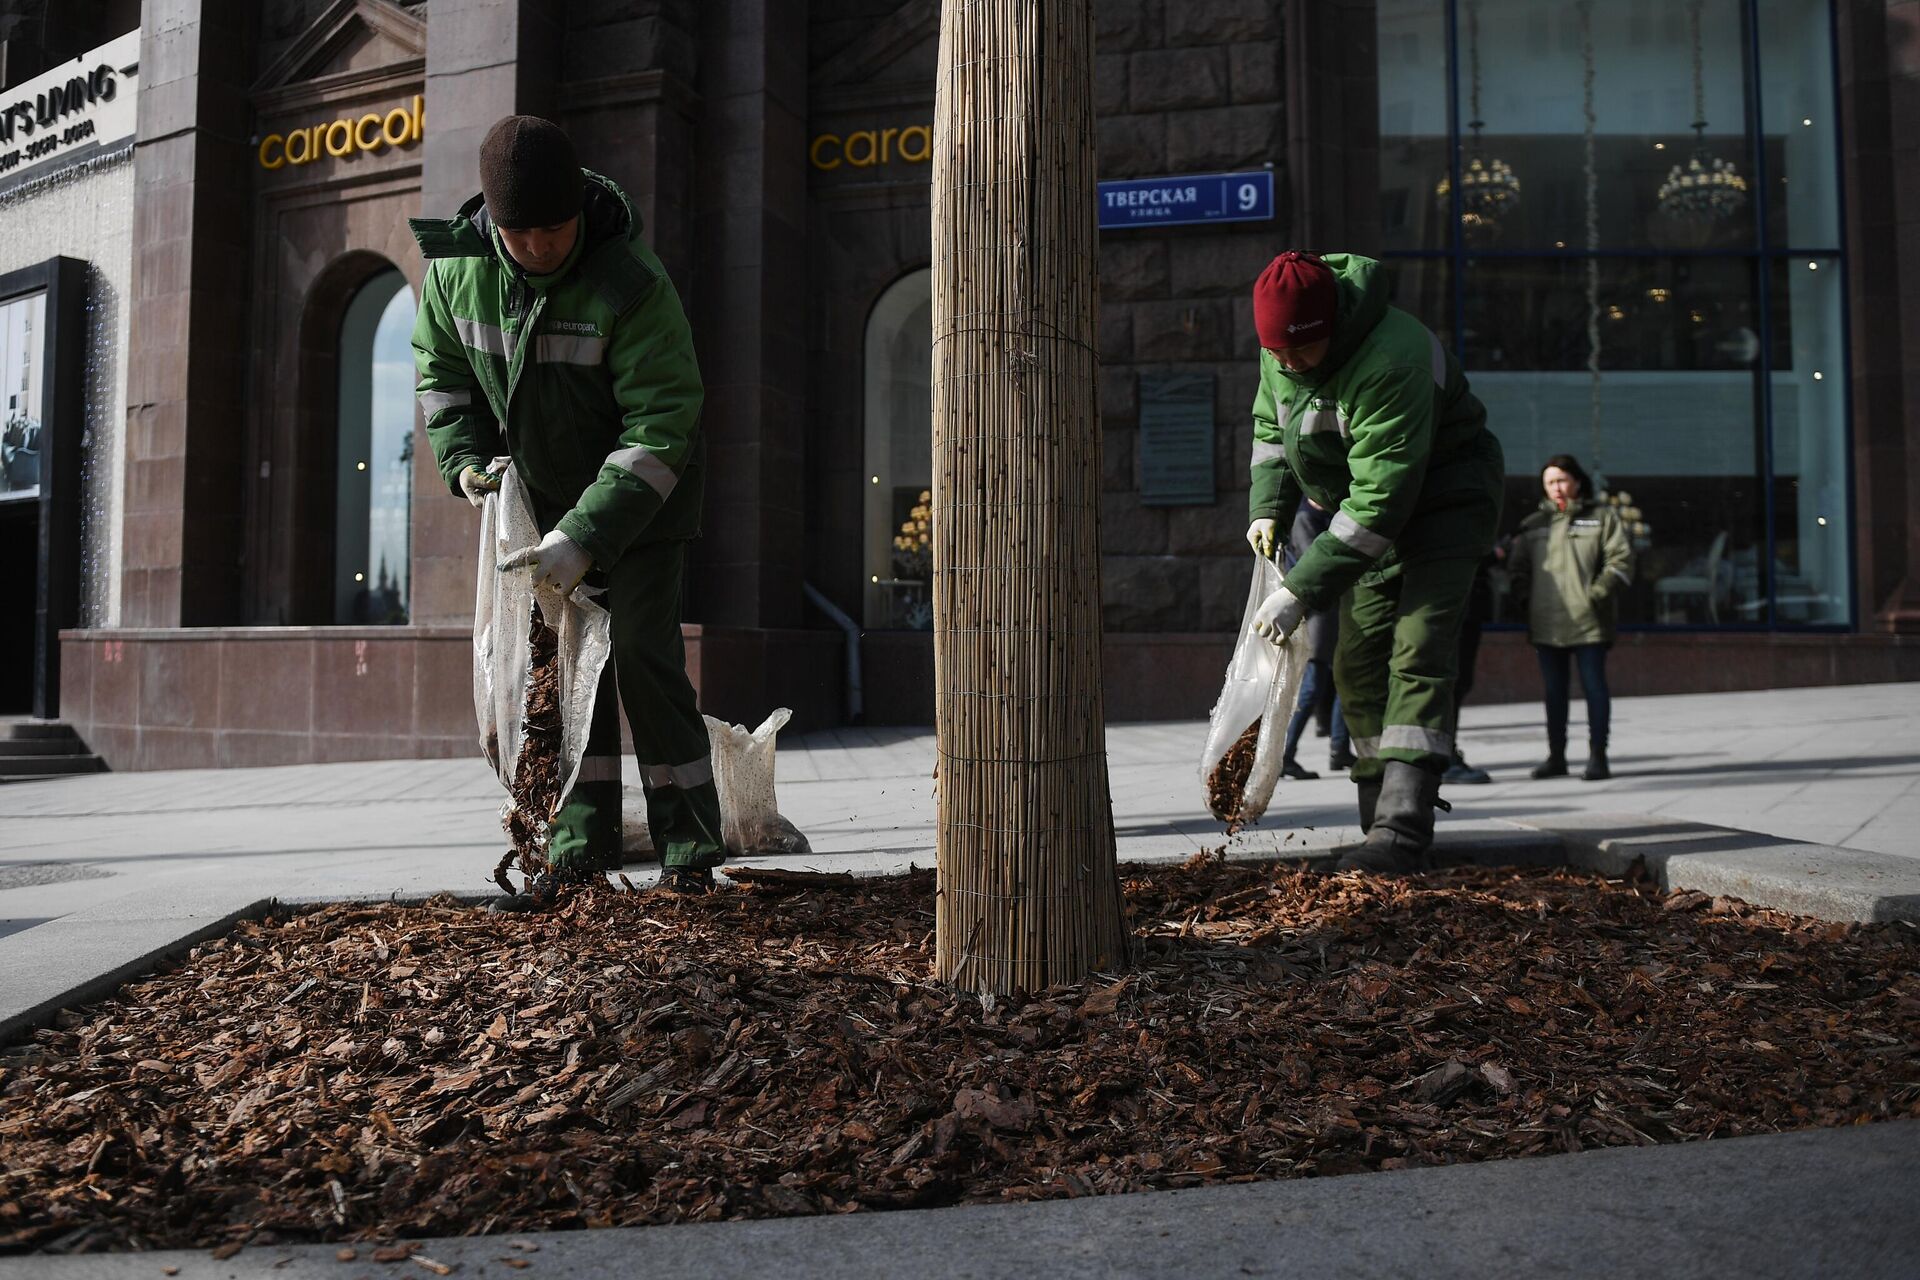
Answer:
(778, 154)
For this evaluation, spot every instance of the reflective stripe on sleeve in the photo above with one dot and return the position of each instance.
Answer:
(1268, 451)
(478, 335)
(691, 774)
(1407, 737)
(568, 348)
(1359, 537)
(645, 463)
(1365, 748)
(600, 769)
(432, 402)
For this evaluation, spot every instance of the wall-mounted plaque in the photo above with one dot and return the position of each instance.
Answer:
(1176, 439)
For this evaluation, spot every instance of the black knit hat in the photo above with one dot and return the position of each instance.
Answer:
(529, 174)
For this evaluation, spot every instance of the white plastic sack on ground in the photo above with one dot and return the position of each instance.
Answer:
(1263, 681)
(502, 620)
(743, 774)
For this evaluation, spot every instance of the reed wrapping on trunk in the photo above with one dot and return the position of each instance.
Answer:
(1028, 893)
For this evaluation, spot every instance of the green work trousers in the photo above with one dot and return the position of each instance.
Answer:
(648, 674)
(1397, 661)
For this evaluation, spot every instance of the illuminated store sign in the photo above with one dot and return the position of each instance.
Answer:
(79, 106)
(866, 148)
(341, 138)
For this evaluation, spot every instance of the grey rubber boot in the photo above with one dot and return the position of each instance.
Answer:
(1402, 828)
(1369, 801)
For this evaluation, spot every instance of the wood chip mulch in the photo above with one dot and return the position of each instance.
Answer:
(368, 1074)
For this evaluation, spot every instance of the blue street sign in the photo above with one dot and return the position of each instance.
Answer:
(1182, 200)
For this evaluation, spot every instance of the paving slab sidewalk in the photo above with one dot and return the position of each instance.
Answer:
(1815, 1203)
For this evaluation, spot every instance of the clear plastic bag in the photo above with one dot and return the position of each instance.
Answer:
(1263, 681)
(502, 622)
(743, 774)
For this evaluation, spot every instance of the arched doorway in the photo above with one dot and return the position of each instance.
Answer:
(373, 478)
(899, 454)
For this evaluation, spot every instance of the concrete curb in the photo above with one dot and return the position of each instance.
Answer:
(1826, 882)
(1816, 1202)
(136, 957)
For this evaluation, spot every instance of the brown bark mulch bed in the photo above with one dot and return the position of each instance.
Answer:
(361, 1073)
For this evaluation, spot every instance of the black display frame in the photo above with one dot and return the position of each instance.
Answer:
(62, 420)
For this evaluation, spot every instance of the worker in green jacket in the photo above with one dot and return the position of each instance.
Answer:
(549, 331)
(1569, 563)
(1363, 410)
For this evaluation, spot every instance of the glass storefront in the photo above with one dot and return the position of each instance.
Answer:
(1624, 218)
(899, 456)
(374, 472)
(23, 323)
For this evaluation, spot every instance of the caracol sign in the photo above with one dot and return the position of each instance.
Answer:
(341, 138)
(77, 109)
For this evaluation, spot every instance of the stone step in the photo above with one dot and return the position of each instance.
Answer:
(11, 748)
(25, 729)
(16, 767)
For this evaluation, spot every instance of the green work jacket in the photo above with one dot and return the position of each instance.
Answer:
(586, 376)
(1385, 434)
(1568, 566)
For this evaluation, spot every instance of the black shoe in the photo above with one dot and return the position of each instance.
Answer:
(1341, 761)
(540, 894)
(1461, 772)
(1596, 770)
(1554, 766)
(688, 882)
(1294, 769)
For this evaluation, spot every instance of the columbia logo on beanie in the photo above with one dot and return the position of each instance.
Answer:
(1295, 301)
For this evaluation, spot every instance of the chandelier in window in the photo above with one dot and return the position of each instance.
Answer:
(1705, 189)
(1489, 188)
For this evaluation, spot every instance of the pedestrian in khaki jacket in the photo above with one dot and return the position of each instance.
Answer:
(1569, 562)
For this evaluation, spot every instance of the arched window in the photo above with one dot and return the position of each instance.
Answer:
(899, 453)
(374, 473)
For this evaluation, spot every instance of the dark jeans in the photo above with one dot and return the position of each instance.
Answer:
(1317, 675)
(1555, 675)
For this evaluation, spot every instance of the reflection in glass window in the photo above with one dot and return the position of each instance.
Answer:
(374, 472)
(899, 454)
(1670, 421)
(1797, 110)
(1413, 123)
(22, 339)
(1810, 443)
(1618, 186)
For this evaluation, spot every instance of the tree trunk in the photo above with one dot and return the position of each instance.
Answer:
(1028, 892)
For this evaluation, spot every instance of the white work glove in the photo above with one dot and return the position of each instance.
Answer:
(1260, 538)
(477, 484)
(1278, 615)
(558, 562)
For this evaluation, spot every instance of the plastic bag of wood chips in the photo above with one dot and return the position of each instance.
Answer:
(743, 774)
(1247, 732)
(515, 705)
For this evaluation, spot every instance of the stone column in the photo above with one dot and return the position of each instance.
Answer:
(485, 59)
(748, 305)
(187, 374)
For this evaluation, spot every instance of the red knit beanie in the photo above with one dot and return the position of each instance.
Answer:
(1294, 301)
